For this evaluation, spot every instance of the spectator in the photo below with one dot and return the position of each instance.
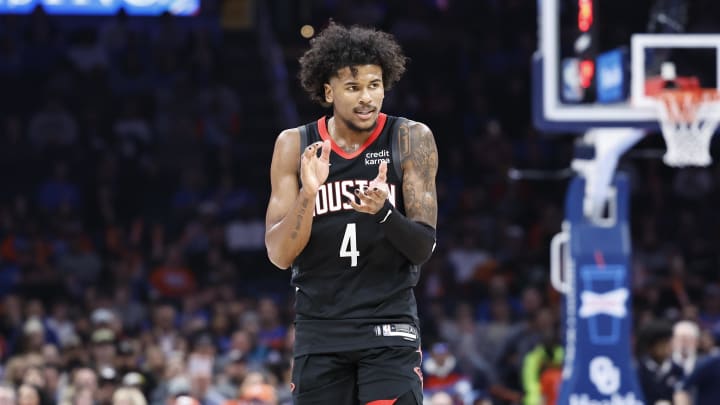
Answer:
(54, 126)
(59, 193)
(7, 394)
(235, 369)
(441, 372)
(33, 335)
(272, 330)
(686, 336)
(108, 382)
(103, 348)
(59, 322)
(657, 372)
(541, 369)
(131, 312)
(85, 52)
(173, 279)
(244, 342)
(262, 394)
(184, 400)
(441, 398)
(128, 396)
(30, 395)
(465, 336)
(508, 384)
(701, 384)
(200, 371)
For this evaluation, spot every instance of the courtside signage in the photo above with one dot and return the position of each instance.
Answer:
(102, 7)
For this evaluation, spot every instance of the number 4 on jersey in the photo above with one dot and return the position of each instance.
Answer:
(348, 247)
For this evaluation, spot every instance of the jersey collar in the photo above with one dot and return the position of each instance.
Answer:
(325, 135)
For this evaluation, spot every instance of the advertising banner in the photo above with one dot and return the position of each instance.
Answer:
(612, 76)
(597, 316)
(102, 7)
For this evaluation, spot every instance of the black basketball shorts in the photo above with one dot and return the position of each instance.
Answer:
(377, 376)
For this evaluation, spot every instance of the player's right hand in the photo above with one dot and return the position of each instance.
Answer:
(314, 169)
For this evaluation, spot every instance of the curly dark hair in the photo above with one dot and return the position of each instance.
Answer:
(337, 47)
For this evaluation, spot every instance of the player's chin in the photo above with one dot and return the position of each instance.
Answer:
(365, 124)
(368, 126)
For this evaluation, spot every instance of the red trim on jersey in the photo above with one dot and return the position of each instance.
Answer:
(325, 135)
(382, 402)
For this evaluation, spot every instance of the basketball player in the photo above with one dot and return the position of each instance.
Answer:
(353, 212)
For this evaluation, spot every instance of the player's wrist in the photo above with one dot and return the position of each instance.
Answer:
(382, 214)
(415, 240)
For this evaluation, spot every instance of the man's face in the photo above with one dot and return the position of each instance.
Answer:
(662, 350)
(356, 95)
(85, 378)
(7, 396)
(27, 395)
(104, 352)
(685, 343)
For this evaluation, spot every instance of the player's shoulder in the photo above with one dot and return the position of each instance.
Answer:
(288, 135)
(287, 143)
(293, 134)
(417, 129)
(414, 141)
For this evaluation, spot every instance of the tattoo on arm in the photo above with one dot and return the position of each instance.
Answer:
(300, 215)
(404, 139)
(420, 162)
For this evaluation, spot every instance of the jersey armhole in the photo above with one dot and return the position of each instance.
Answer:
(303, 144)
(303, 138)
(395, 146)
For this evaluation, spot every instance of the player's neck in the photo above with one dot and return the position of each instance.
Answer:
(348, 139)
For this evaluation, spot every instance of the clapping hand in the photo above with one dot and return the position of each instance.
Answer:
(314, 169)
(373, 197)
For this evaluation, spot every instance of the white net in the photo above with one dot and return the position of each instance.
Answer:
(688, 119)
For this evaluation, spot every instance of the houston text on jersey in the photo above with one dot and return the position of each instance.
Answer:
(334, 196)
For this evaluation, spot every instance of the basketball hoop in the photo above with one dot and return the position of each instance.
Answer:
(688, 119)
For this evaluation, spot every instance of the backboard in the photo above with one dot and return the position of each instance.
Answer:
(599, 61)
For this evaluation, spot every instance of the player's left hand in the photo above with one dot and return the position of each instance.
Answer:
(373, 197)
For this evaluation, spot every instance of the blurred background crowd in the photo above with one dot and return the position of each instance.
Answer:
(134, 173)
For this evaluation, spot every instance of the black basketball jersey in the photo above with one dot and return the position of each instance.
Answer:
(350, 281)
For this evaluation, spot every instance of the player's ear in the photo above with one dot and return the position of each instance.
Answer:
(328, 93)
